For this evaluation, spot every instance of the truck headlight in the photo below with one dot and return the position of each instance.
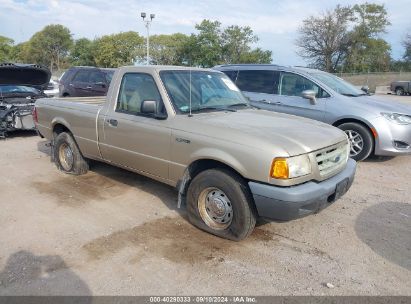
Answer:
(401, 119)
(290, 167)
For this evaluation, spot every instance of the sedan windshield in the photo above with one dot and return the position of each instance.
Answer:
(10, 89)
(208, 90)
(337, 84)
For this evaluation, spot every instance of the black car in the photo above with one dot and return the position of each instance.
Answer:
(20, 86)
(85, 81)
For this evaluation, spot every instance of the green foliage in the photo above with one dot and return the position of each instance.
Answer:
(210, 45)
(407, 46)
(6, 47)
(213, 45)
(347, 38)
(324, 40)
(49, 46)
(167, 49)
(83, 52)
(118, 49)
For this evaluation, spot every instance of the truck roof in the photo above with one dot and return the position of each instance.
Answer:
(163, 68)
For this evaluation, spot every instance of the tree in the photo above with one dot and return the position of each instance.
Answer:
(256, 56)
(49, 46)
(323, 40)
(82, 52)
(368, 52)
(236, 42)
(167, 49)
(6, 46)
(213, 45)
(346, 37)
(118, 49)
(407, 46)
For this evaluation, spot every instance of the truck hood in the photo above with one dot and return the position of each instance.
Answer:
(30, 75)
(282, 133)
(378, 104)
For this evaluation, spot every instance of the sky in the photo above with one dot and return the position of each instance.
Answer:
(274, 22)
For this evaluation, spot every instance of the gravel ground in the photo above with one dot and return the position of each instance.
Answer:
(111, 232)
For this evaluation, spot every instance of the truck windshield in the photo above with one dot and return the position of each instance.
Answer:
(337, 84)
(209, 90)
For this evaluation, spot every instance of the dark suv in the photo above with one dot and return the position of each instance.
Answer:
(85, 81)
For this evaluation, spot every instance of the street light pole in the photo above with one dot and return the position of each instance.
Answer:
(147, 25)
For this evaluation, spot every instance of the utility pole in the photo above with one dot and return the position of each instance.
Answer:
(147, 24)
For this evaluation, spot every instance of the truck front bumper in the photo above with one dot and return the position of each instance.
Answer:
(287, 203)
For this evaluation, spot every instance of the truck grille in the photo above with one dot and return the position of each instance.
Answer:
(332, 160)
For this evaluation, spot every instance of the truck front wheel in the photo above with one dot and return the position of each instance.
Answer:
(67, 155)
(219, 202)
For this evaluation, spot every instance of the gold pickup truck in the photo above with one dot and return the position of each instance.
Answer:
(193, 129)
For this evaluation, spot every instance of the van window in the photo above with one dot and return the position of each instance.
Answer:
(232, 75)
(258, 81)
(81, 76)
(294, 84)
(134, 89)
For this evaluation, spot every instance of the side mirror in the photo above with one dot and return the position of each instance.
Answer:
(310, 95)
(365, 89)
(149, 107)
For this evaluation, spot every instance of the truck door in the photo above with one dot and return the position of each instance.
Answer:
(131, 138)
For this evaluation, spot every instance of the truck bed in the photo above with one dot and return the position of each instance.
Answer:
(78, 113)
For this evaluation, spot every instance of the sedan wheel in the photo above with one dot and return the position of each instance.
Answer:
(356, 142)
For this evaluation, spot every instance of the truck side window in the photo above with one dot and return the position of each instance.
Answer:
(134, 88)
(294, 84)
(258, 81)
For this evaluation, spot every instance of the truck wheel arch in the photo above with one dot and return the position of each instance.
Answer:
(194, 169)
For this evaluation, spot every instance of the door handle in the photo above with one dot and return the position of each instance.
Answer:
(112, 122)
(277, 103)
(89, 87)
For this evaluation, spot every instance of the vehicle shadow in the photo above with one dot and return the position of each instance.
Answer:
(20, 134)
(30, 275)
(110, 180)
(378, 159)
(386, 228)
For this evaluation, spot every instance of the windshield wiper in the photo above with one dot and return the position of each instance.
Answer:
(239, 104)
(213, 108)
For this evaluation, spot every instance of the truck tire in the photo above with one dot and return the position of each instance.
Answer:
(219, 202)
(67, 155)
(399, 91)
(361, 140)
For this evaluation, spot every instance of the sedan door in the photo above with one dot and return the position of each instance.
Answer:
(289, 99)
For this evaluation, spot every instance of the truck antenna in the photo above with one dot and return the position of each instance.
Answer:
(190, 115)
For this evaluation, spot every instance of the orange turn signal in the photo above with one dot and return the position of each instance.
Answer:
(279, 168)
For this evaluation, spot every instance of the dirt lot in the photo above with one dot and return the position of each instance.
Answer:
(112, 232)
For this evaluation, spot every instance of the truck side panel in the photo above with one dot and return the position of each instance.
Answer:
(77, 117)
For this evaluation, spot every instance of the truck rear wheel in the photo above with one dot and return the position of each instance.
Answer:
(67, 155)
(219, 202)
(399, 91)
